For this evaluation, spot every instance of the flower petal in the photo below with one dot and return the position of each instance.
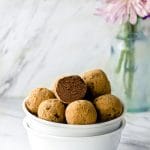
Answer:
(124, 10)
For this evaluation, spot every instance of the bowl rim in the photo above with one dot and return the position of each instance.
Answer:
(27, 127)
(62, 125)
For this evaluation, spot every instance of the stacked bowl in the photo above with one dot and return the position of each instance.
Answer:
(46, 135)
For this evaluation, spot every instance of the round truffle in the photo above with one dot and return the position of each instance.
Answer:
(108, 107)
(97, 83)
(81, 112)
(52, 110)
(36, 97)
(70, 88)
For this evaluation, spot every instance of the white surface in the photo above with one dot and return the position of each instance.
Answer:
(136, 135)
(55, 130)
(40, 140)
(41, 39)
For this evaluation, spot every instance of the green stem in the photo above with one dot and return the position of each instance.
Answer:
(127, 58)
(122, 55)
(129, 73)
(124, 72)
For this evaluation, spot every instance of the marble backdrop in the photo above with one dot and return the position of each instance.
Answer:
(41, 39)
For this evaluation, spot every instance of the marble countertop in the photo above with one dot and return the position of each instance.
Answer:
(136, 135)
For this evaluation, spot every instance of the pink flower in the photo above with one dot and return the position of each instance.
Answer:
(124, 10)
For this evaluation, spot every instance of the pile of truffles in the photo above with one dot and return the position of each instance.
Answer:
(75, 99)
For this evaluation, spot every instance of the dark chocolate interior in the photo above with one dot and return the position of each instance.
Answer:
(71, 88)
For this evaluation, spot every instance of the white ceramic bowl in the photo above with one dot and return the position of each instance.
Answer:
(42, 141)
(59, 129)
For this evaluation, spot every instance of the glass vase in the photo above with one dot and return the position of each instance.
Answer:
(129, 67)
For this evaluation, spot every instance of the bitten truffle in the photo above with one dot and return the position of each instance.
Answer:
(36, 97)
(70, 88)
(108, 107)
(52, 110)
(97, 83)
(81, 112)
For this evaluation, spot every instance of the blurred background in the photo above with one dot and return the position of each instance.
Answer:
(40, 40)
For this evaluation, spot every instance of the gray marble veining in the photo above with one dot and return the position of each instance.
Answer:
(41, 39)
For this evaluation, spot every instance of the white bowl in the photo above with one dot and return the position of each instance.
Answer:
(59, 129)
(43, 141)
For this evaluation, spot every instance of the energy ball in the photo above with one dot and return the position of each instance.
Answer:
(52, 110)
(70, 88)
(36, 97)
(108, 107)
(81, 112)
(97, 83)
